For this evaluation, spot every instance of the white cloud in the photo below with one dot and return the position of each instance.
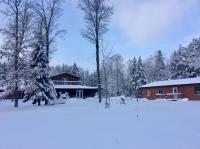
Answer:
(146, 20)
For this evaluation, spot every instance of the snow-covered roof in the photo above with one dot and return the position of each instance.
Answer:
(73, 87)
(173, 82)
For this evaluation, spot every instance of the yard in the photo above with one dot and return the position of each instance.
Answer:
(88, 125)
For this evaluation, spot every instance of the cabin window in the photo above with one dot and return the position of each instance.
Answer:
(197, 90)
(148, 93)
(175, 90)
(64, 81)
(160, 91)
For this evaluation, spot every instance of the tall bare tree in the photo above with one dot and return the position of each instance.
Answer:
(97, 15)
(105, 71)
(16, 33)
(46, 14)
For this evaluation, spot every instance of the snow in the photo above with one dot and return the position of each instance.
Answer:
(73, 87)
(86, 124)
(173, 82)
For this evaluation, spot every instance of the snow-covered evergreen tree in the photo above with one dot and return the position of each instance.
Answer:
(193, 57)
(141, 78)
(185, 62)
(179, 64)
(41, 87)
(160, 68)
(132, 74)
(137, 75)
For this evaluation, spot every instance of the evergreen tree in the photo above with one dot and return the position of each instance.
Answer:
(132, 73)
(40, 87)
(193, 57)
(179, 64)
(160, 68)
(136, 74)
(141, 79)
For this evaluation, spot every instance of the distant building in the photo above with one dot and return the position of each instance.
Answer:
(65, 83)
(172, 89)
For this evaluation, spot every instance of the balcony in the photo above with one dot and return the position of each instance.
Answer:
(67, 82)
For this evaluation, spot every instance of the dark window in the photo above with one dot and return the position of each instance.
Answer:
(197, 90)
(160, 91)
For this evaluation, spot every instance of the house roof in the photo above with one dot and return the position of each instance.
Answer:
(65, 73)
(173, 82)
(73, 87)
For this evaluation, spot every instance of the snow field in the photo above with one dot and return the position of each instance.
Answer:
(88, 125)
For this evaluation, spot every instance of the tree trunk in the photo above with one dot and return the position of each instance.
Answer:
(16, 103)
(47, 43)
(98, 70)
(16, 55)
(39, 102)
(15, 96)
(46, 102)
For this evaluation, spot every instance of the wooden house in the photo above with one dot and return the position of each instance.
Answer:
(65, 83)
(172, 89)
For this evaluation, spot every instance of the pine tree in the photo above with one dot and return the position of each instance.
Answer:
(40, 87)
(193, 57)
(141, 79)
(185, 62)
(132, 72)
(179, 64)
(159, 70)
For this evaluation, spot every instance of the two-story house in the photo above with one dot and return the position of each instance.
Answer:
(65, 83)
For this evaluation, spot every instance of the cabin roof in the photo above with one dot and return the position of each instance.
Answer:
(173, 82)
(65, 73)
(73, 87)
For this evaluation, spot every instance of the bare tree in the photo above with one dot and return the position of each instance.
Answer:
(117, 73)
(105, 71)
(46, 14)
(97, 15)
(16, 33)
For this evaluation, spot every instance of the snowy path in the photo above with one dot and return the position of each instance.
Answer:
(83, 124)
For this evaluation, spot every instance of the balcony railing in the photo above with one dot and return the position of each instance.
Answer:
(169, 95)
(67, 82)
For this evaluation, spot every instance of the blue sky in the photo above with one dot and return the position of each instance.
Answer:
(138, 28)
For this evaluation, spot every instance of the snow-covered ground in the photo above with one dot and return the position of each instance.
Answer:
(86, 124)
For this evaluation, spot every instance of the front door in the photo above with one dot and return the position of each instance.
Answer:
(175, 92)
(79, 94)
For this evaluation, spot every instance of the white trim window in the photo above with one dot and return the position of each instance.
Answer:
(148, 92)
(175, 90)
(160, 91)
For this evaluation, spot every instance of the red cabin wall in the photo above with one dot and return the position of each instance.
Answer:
(186, 90)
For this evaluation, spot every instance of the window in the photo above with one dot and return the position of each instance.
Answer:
(148, 93)
(175, 90)
(64, 81)
(160, 91)
(197, 90)
(79, 93)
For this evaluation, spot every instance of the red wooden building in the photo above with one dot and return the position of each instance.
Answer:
(172, 89)
(65, 83)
